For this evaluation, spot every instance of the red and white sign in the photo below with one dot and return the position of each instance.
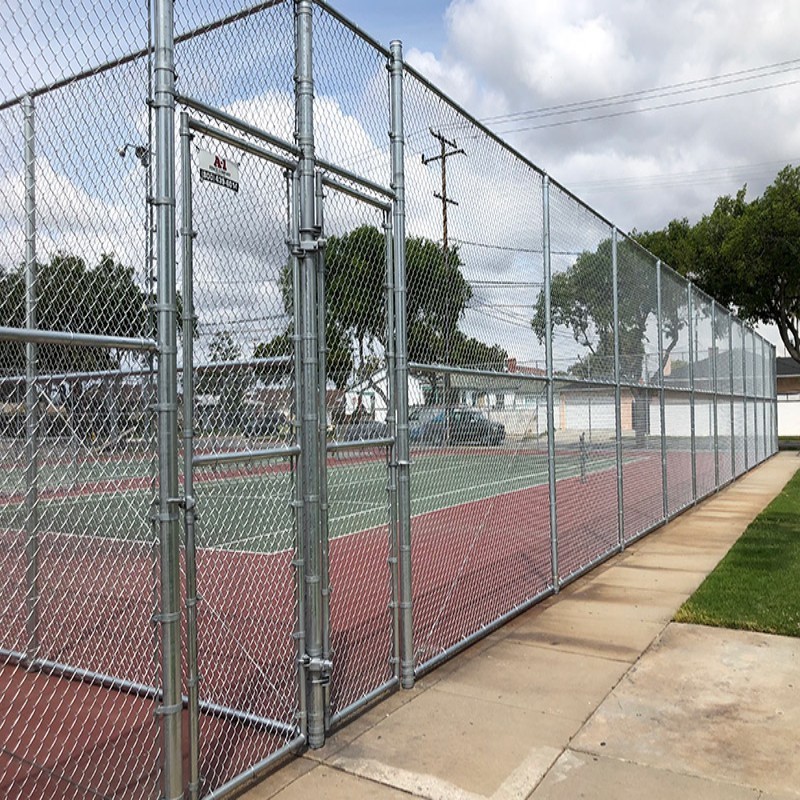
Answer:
(219, 170)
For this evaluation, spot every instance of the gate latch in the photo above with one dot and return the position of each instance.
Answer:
(320, 669)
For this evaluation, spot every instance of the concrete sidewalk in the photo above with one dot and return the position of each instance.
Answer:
(592, 694)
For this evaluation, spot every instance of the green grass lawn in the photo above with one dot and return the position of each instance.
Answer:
(755, 587)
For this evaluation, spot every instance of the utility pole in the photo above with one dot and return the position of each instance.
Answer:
(447, 148)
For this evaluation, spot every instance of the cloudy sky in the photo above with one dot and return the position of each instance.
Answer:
(646, 111)
(646, 116)
(672, 144)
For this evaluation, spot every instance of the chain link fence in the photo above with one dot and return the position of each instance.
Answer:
(308, 380)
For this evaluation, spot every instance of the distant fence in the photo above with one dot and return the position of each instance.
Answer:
(292, 408)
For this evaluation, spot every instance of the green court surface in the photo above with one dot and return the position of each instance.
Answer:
(250, 509)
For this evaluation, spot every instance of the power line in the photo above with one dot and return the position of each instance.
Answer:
(668, 90)
(661, 107)
(689, 178)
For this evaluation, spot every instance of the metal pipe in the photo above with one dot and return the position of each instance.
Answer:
(217, 366)
(732, 386)
(244, 456)
(714, 379)
(434, 662)
(360, 444)
(241, 144)
(233, 122)
(381, 205)
(68, 672)
(548, 344)
(31, 394)
(166, 310)
(510, 379)
(364, 701)
(391, 454)
(322, 352)
(275, 141)
(662, 399)
(34, 336)
(193, 675)
(765, 371)
(309, 243)
(743, 339)
(692, 355)
(397, 143)
(617, 389)
(293, 238)
(256, 772)
(759, 444)
(355, 178)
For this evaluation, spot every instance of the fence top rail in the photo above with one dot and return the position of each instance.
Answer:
(141, 53)
(37, 336)
(240, 124)
(354, 193)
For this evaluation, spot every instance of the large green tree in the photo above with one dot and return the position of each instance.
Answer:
(745, 254)
(582, 300)
(103, 299)
(356, 326)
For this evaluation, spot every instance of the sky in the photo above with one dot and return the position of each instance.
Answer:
(646, 117)
(724, 113)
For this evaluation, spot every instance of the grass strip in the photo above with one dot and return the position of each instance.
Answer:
(755, 586)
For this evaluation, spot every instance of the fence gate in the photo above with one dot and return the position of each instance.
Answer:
(358, 487)
(290, 567)
(244, 568)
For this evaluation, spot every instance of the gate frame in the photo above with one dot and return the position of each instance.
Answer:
(313, 670)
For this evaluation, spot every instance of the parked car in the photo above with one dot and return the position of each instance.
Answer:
(269, 422)
(466, 426)
(361, 431)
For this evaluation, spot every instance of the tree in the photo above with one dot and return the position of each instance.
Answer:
(71, 296)
(223, 377)
(746, 255)
(582, 300)
(356, 327)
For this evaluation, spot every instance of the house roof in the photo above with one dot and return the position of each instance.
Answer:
(787, 367)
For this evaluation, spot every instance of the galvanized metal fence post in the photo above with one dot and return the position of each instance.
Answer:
(316, 668)
(744, 395)
(402, 455)
(732, 393)
(548, 345)
(759, 395)
(322, 410)
(714, 354)
(166, 308)
(773, 393)
(617, 387)
(391, 419)
(764, 364)
(188, 321)
(293, 237)
(692, 354)
(662, 393)
(31, 392)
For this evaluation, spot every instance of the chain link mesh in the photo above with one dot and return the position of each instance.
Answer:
(244, 404)
(662, 410)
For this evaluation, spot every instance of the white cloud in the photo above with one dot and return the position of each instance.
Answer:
(503, 56)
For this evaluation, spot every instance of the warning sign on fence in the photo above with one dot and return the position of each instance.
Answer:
(219, 170)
